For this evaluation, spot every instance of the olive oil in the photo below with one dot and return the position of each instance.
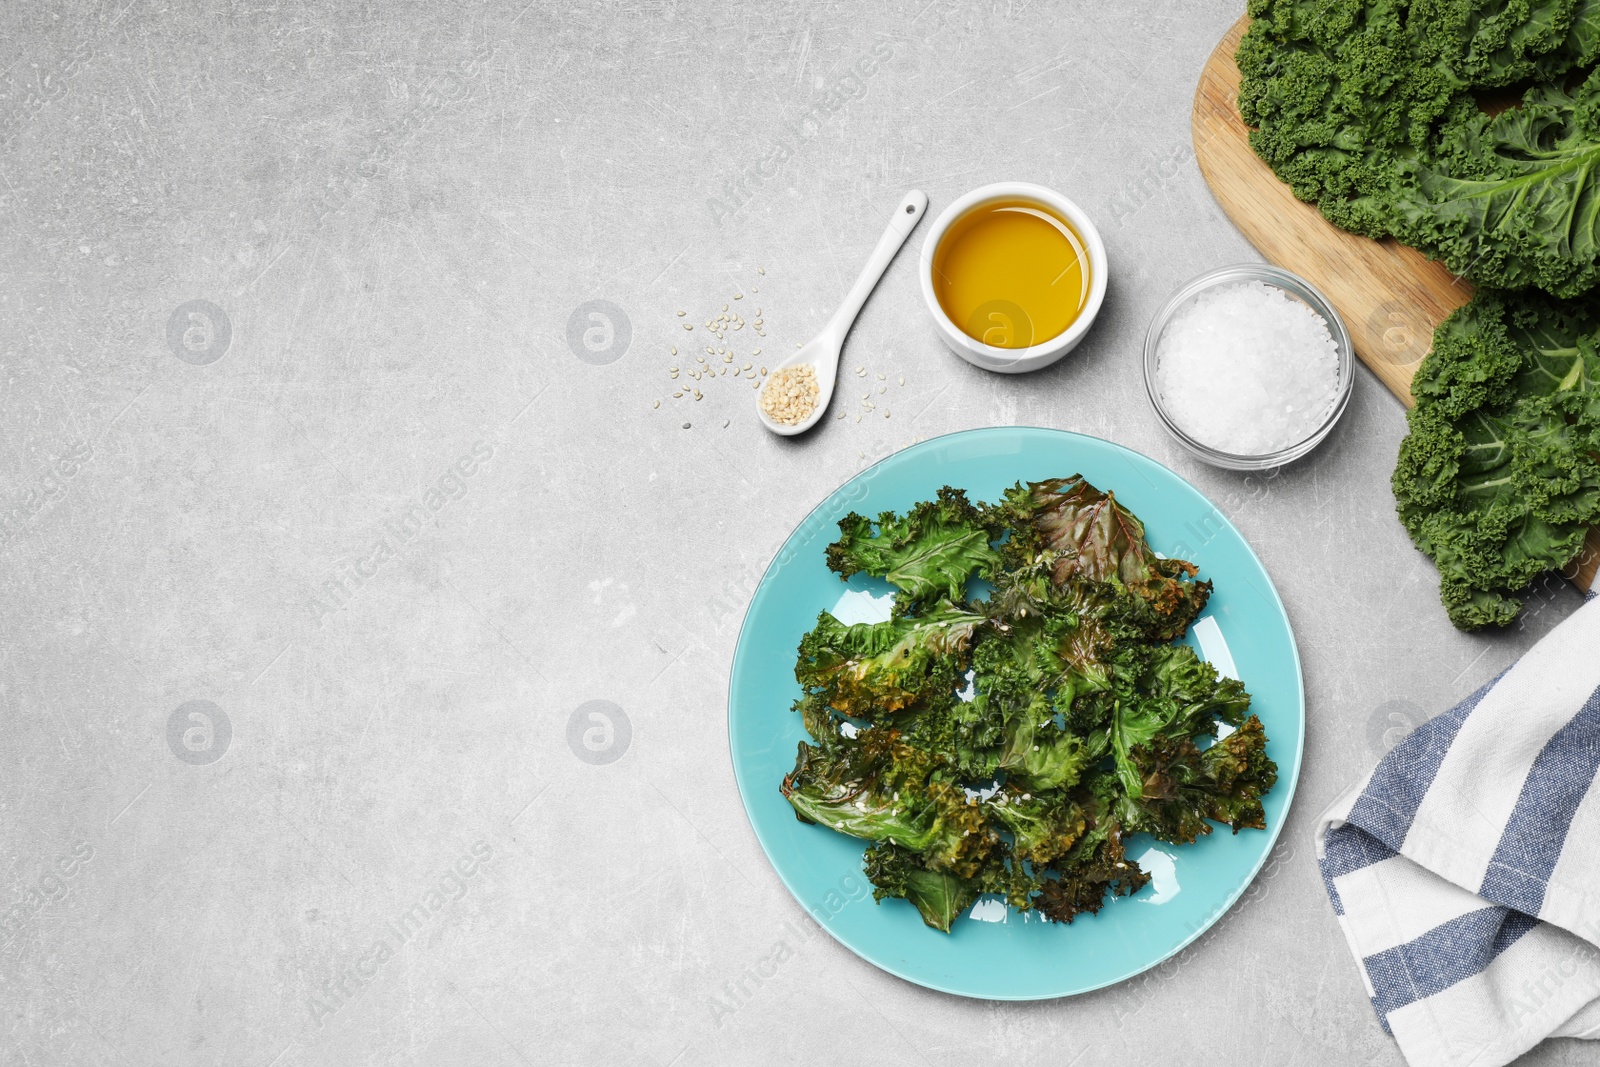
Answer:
(1011, 273)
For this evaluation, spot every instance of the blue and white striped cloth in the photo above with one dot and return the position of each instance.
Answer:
(1465, 870)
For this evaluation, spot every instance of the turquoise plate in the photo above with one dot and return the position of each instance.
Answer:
(995, 952)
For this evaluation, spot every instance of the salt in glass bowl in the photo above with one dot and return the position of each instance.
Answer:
(1296, 288)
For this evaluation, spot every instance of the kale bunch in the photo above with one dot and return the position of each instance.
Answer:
(1010, 744)
(1383, 113)
(1499, 477)
(1372, 110)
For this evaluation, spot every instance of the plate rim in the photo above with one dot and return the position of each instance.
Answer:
(1273, 831)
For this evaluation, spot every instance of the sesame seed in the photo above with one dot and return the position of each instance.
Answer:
(674, 349)
(738, 296)
(681, 314)
(761, 270)
(724, 307)
(880, 377)
(791, 396)
(902, 380)
(656, 404)
(688, 326)
(686, 426)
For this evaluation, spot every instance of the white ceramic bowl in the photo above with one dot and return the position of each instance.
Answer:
(1016, 360)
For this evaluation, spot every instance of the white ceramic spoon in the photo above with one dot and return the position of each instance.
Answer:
(825, 349)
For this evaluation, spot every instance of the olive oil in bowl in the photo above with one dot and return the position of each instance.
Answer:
(1012, 273)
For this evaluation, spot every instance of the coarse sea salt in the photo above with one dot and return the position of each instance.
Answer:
(1245, 368)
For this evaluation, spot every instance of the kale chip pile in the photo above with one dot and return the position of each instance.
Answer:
(1010, 745)
(1469, 129)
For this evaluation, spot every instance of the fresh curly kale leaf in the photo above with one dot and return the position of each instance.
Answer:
(1513, 201)
(930, 553)
(1370, 108)
(1499, 476)
(873, 670)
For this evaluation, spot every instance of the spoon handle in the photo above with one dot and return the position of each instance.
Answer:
(906, 215)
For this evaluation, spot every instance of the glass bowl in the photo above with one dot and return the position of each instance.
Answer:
(1297, 288)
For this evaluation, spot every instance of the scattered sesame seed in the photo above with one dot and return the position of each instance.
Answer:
(902, 380)
(688, 326)
(883, 388)
(674, 349)
(724, 307)
(738, 296)
(886, 413)
(761, 270)
(686, 426)
(681, 314)
(880, 377)
(656, 404)
(755, 351)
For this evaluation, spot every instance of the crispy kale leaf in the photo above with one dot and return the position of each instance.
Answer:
(1011, 744)
(872, 670)
(930, 553)
(939, 896)
(1499, 476)
(1083, 535)
(1182, 785)
(881, 789)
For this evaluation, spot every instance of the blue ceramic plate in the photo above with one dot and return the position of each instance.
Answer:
(995, 952)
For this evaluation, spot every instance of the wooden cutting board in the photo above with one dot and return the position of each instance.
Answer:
(1391, 297)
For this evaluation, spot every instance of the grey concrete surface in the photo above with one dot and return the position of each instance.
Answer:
(370, 503)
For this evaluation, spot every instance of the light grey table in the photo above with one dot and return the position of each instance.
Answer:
(329, 505)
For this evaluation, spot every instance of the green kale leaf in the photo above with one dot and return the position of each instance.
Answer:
(1498, 478)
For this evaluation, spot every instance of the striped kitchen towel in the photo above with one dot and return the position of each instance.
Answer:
(1465, 870)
